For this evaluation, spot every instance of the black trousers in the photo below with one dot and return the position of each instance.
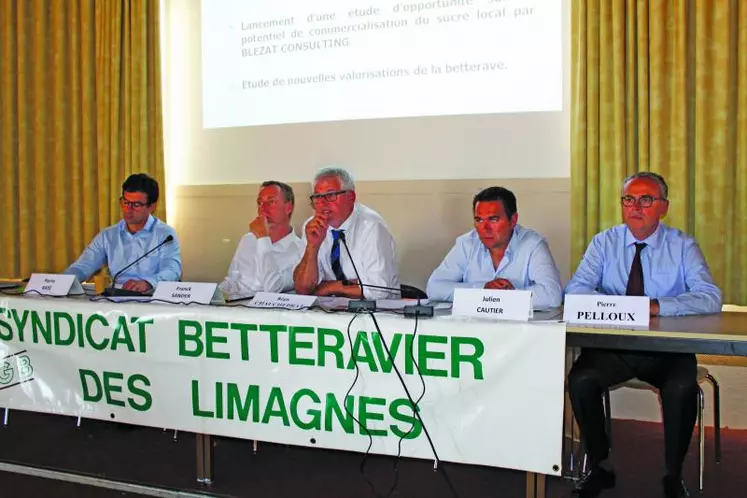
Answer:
(674, 374)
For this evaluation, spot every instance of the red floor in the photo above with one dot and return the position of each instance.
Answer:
(150, 456)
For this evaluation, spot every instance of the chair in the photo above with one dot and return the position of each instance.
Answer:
(703, 375)
(412, 292)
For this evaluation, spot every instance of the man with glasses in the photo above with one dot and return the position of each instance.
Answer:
(498, 254)
(137, 233)
(266, 256)
(642, 257)
(325, 268)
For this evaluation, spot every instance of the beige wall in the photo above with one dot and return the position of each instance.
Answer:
(425, 217)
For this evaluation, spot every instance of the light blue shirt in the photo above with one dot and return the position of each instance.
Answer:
(674, 270)
(117, 247)
(527, 264)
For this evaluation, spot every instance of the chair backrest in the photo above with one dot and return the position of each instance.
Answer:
(412, 292)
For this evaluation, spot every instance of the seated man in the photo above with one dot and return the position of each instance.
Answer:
(139, 232)
(642, 257)
(325, 268)
(498, 254)
(266, 256)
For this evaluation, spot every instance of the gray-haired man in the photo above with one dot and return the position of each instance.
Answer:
(325, 268)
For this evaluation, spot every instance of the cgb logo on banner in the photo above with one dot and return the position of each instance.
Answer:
(15, 369)
(305, 378)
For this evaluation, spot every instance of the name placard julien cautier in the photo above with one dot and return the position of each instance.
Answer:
(495, 304)
(618, 311)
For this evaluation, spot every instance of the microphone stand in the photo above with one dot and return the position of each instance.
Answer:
(369, 305)
(113, 291)
(363, 304)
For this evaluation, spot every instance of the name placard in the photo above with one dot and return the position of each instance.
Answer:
(283, 301)
(53, 284)
(495, 304)
(618, 311)
(187, 292)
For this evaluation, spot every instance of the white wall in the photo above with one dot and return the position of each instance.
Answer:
(523, 145)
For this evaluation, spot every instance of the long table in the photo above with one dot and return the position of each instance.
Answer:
(284, 376)
(717, 334)
(172, 333)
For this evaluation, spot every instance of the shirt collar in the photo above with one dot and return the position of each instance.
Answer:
(348, 223)
(653, 240)
(514, 242)
(286, 240)
(148, 225)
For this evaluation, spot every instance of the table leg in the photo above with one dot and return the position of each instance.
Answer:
(573, 453)
(535, 485)
(204, 458)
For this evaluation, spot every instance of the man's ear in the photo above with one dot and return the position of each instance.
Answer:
(664, 209)
(514, 219)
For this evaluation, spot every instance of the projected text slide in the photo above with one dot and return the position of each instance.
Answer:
(294, 61)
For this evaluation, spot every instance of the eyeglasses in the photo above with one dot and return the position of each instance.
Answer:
(327, 196)
(644, 201)
(134, 205)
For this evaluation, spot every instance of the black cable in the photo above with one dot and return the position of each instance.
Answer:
(412, 403)
(395, 467)
(396, 370)
(13, 291)
(362, 466)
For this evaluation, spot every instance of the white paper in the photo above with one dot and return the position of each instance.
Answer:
(599, 309)
(282, 301)
(493, 304)
(52, 284)
(187, 292)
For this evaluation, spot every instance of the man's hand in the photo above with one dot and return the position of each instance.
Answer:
(500, 284)
(259, 227)
(137, 285)
(654, 307)
(338, 288)
(316, 230)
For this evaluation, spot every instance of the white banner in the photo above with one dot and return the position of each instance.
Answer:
(493, 391)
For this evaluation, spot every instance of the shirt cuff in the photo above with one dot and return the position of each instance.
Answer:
(667, 306)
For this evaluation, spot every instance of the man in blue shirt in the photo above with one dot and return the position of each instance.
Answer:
(139, 232)
(641, 257)
(498, 254)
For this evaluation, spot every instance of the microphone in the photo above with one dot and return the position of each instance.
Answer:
(364, 304)
(113, 291)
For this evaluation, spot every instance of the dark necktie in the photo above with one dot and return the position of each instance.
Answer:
(635, 278)
(335, 255)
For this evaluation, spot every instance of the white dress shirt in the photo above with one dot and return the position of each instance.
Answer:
(373, 250)
(261, 266)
